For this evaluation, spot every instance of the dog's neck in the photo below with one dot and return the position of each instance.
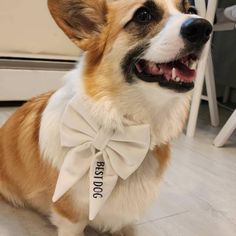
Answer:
(137, 103)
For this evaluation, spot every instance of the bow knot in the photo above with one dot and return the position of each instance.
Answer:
(101, 140)
(103, 155)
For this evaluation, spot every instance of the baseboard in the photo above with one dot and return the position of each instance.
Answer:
(21, 85)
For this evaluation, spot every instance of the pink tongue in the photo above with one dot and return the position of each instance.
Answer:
(186, 76)
(185, 73)
(181, 70)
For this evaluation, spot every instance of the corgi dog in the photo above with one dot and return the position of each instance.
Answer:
(136, 74)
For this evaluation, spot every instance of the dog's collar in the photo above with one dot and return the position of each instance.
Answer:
(106, 155)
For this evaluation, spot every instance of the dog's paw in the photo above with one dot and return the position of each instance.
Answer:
(127, 231)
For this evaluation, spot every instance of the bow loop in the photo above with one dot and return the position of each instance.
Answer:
(77, 127)
(128, 149)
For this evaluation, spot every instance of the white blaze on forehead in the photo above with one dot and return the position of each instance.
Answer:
(168, 43)
(171, 7)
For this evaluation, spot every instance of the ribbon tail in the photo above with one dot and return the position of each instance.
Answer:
(75, 166)
(103, 180)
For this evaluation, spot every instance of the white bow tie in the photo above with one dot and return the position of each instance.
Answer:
(106, 155)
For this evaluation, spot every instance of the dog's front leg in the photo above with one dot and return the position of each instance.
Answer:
(67, 219)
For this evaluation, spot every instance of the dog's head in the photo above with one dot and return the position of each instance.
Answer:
(133, 41)
(138, 58)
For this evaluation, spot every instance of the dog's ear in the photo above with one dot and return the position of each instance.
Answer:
(81, 20)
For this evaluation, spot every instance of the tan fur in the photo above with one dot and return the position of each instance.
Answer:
(25, 179)
(163, 156)
(182, 5)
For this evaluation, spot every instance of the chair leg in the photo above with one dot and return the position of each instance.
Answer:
(226, 94)
(226, 132)
(192, 123)
(201, 7)
(211, 92)
(210, 14)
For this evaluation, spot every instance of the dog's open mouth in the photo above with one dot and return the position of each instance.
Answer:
(177, 75)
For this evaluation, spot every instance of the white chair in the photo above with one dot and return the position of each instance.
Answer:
(204, 71)
(230, 125)
(226, 132)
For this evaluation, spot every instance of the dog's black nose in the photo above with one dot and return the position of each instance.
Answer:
(196, 30)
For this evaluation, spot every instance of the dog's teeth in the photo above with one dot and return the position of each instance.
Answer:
(161, 71)
(177, 79)
(193, 66)
(173, 73)
(139, 68)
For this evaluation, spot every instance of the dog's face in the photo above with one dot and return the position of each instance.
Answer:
(135, 41)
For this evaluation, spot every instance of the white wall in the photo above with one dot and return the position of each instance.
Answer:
(26, 26)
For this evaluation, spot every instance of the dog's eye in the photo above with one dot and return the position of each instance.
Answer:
(143, 15)
(192, 11)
